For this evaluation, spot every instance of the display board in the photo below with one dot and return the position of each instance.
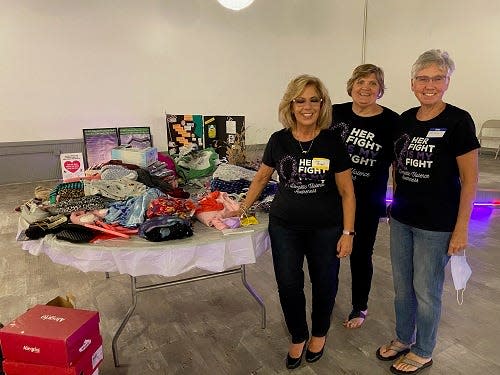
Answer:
(135, 136)
(223, 131)
(184, 130)
(98, 145)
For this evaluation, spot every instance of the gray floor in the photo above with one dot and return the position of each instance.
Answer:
(213, 327)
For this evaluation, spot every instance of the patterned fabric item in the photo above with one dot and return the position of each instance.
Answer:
(234, 179)
(115, 172)
(183, 208)
(230, 172)
(120, 189)
(87, 203)
(240, 186)
(132, 212)
(66, 190)
(164, 228)
(75, 233)
(265, 204)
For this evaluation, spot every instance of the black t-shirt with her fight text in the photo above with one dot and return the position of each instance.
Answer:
(427, 192)
(307, 194)
(370, 144)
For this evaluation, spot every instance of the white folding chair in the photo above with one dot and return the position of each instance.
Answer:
(490, 133)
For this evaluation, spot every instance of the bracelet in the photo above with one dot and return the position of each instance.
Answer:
(349, 233)
(244, 209)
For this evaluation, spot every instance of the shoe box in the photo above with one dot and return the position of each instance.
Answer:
(87, 364)
(50, 335)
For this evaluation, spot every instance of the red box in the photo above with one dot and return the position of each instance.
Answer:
(91, 358)
(49, 335)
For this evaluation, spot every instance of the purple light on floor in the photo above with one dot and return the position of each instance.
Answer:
(479, 204)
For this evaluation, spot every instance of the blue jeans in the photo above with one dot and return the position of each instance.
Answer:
(319, 247)
(418, 258)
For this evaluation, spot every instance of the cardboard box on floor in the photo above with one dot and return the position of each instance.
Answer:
(86, 365)
(68, 301)
(55, 334)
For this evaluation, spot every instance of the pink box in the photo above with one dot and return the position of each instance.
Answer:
(49, 335)
(87, 365)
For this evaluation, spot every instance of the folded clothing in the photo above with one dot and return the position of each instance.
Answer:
(86, 203)
(66, 190)
(115, 172)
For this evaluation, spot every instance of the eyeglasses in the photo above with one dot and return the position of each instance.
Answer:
(426, 79)
(300, 101)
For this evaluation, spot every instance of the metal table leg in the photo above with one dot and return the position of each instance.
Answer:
(125, 320)
(254, 294)
(136, 290)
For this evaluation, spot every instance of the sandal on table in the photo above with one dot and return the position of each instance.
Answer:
(407, 361)
(356, 314)
(396, 346)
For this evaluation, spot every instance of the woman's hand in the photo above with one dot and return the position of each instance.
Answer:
(344, 246)
(458, 241)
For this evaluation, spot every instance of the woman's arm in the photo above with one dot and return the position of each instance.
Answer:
(258, 184)
(468, 169)
(346, 191)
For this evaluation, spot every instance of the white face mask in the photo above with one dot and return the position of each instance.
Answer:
(460, 273)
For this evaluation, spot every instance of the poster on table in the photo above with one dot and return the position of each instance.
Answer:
(224, 132)
(72, 166)
(98, 145)
(135, 136)
(184, 130)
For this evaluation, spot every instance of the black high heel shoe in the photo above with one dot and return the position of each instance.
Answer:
(314, 356)
(292, 363)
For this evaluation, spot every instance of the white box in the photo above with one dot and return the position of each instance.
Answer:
(142, 157)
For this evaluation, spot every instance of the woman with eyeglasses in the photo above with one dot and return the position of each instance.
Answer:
(312, 214)
(436, 176)
(368, 131)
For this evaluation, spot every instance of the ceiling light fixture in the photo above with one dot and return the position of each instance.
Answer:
(235, 4)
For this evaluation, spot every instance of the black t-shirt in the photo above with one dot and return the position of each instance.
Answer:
(370, 144)
(427, 192)
(307, 195)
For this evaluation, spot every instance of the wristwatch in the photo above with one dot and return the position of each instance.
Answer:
(349, 233)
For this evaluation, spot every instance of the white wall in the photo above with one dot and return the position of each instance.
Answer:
(399, 31)
(67, 65)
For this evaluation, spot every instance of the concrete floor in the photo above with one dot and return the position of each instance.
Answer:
(213, 327)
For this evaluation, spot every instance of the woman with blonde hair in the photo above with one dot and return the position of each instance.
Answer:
(312, 214)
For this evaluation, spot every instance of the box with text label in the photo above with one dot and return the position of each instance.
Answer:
(49, 335)
(87, 364)
(142, 157)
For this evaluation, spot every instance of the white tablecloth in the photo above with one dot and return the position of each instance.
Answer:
(208, 249)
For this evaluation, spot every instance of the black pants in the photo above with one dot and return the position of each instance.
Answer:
(361, 257)
(319, 247)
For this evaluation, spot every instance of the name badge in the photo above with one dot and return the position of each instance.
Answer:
(321, 163)
(436, 133)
